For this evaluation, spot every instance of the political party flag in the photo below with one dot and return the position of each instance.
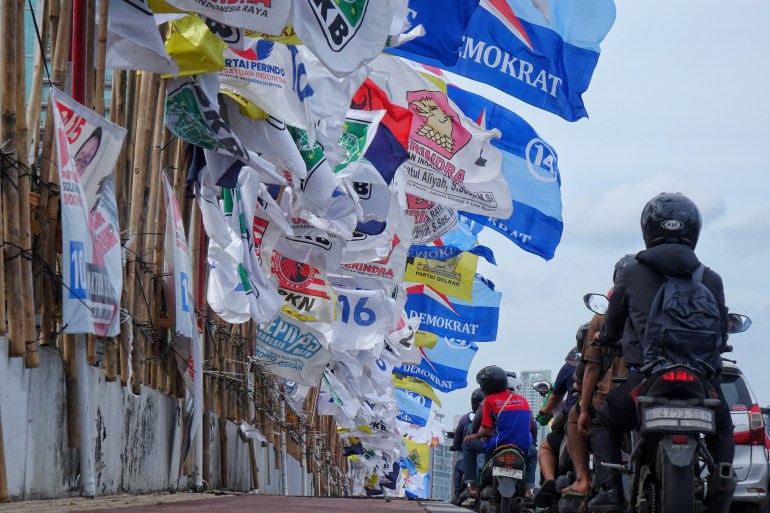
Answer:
(390, 268)
(397, 119)
(176, 266)
(306, 292)
(419, 454)
(416, 385)
(431, 219)
(530, 166)
(451, 277)
(343, 35)
(133, 39)
(451, 159)
(268, 16)
(445, 366)
(542, 52)
(363, 318)
(475, 319)
(289, 83)
(192, 114)
(92, 274)
(454, 242)
(292, 350)
(413, 407)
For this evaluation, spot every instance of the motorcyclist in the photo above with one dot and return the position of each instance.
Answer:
(505, 416)
(464, 428)
(514, 385)
(557, 406)
(671, 224)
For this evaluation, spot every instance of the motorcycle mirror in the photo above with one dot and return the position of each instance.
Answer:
(542, 387)
(597, 303)
(737, 323)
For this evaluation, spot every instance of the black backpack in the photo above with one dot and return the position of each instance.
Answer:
(684, 324)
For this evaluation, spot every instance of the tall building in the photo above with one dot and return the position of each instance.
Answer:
(528, 378)
(441, 472)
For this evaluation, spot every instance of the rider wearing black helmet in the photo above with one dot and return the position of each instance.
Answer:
(505, 416)
(671, 224)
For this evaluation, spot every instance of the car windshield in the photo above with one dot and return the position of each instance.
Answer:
(736, 392)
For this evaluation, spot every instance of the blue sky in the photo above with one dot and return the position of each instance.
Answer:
(678, 102)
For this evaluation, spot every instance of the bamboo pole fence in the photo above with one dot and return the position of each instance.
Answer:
(144, 354)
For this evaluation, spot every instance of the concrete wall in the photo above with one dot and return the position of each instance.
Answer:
(136, 438)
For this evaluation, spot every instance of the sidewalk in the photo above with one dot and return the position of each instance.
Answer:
(229, 503)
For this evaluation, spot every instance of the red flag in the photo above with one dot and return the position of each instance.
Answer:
(398, 119)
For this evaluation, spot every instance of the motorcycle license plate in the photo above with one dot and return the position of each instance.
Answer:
(664, 418)
(508, 472)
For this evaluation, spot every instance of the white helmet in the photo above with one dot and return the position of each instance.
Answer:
(514, 383)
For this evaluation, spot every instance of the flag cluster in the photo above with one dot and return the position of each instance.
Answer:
(342, 189)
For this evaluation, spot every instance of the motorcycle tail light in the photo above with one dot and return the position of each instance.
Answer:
(680, 439)
(678, 375)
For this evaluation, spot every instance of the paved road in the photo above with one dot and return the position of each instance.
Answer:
(205, 503)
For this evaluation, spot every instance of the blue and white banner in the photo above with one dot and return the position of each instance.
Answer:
(445, 365)
(530, 166)
(474, 320)
(540, 51)
(413, 407)
(292, 350)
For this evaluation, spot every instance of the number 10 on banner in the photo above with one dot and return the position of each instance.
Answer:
(78, 284)
(362, 315)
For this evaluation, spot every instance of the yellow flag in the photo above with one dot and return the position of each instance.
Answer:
(418, 386)
(419, 454)
(194, 48)
(452, 277)
(287, 37)
(425, 339)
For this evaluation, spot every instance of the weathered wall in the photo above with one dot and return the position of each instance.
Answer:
(136, 438)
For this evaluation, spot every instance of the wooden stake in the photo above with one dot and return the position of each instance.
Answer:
(36, 92)
(10, 179)
(48, 205)
(148, 91)
(31, 358)
(101, 52)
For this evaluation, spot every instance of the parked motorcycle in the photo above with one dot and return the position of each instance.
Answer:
(503, 482)
(670, 467)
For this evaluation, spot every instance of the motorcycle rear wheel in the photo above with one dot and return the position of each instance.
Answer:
(676, 485)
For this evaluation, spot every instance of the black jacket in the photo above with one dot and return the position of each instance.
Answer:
(636, 287)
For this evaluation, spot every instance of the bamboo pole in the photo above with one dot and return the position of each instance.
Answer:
(10, 183)
(101, 53)
(148, 91)
(48, 205)
(36, 91)
(90, 30)
(31, 357)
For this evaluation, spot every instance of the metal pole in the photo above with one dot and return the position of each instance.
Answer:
(87, 482)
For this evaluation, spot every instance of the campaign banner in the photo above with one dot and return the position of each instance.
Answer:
(475, 319)
(543, 53)
(306, 292)
(445, 365)
(177, 270)
(530, 166)
(431, 220)
(344, 35)
(451, 159)
(268, 16)
(451, 277)
(289, 83)
(92, 275)
(363, 318)
(292, 350)
(389, 269)
(419, 454)
(413, 407)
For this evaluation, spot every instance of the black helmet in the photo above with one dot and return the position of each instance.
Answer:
(580, 336)
(492, 380)
(671, 217)
(476, 397)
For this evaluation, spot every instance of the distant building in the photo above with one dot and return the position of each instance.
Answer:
(528, 378)
(441, 472)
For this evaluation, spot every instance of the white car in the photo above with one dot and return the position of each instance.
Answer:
(751, 457)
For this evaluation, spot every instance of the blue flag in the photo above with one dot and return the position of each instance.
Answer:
(462, 238)
(542, 52)
(413, 407)
(530, 166)
(445, 366)
(457, 319)
(444, 30)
